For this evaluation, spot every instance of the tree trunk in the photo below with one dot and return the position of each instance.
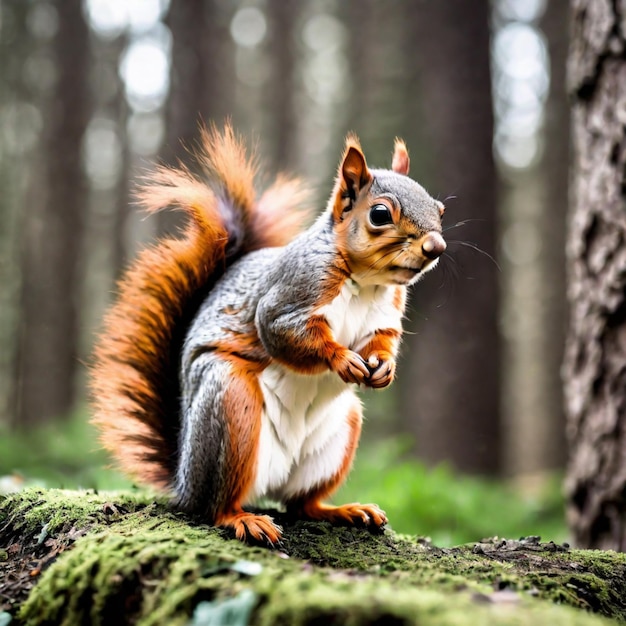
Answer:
(118, 109)
(595, 376)
(202, 79)
(15, 43)
(454, 355)
(282, 87)
(53, 226)
(377, 107)
(533, 205)
(555, 171)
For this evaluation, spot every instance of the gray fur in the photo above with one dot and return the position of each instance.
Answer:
(203, 437)
(417, 204)
(270, 291)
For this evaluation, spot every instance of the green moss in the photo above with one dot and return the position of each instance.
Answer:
(153, 566)
(374, 602)
(54, 510)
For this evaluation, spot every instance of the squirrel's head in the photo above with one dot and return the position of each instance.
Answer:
(388, 227)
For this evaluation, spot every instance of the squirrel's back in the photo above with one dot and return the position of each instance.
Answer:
(135, 375)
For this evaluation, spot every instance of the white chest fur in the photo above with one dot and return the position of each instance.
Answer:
(356, 313)
(304, 429)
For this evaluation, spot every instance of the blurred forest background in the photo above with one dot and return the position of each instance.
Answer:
(93, 92)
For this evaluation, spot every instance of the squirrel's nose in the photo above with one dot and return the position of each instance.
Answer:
(433, 245)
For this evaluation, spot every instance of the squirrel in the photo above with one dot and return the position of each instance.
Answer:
(226, 369)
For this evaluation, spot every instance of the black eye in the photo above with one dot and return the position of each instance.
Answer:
(380, 215)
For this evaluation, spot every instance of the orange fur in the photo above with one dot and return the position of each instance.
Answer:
(134, 377)
(400, 162)
(370, 254)
(129, 380)
(314, 350)
(225, 160)
(353, 176)
(250, 525)
(270, 227)
(384, 344)
(243, 403)
(399, 298)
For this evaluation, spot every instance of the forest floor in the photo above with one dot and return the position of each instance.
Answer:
(69, 557)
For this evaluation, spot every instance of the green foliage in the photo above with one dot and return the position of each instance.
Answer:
(447, 507)
(60, 454)
(437, 503)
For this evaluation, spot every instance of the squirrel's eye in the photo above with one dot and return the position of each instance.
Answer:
(380, 215)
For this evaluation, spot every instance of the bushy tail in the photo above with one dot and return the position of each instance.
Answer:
(134, 378)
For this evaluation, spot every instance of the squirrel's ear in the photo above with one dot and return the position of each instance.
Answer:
(400, 162)
(353, 175)
(354, 172)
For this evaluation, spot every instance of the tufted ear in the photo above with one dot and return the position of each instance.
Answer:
(352, 177)
(401, 161)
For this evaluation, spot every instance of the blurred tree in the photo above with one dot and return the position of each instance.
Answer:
(15, 44)
(202, 79)
(533, 207)
(361, 19)
(454, 357)
(52, 234)
(376, 99)
(554, 167)
(107, 157)
(282, 89)
(106, 234)
(595, 376)
(117, 108)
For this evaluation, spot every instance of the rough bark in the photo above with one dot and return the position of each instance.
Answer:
(52, 236)
(595, 376)
(79, 557)
(454, 355)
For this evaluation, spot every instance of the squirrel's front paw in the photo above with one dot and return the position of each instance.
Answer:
(382, 372)
(351, 367)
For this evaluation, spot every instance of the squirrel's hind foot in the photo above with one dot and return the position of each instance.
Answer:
(252, 527)
(354, 514)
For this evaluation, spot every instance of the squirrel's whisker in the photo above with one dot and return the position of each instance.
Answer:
(473, 246)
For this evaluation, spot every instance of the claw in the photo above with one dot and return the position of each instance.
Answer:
(260, 528)
(354, 514)
(382, 375)
(351, 367)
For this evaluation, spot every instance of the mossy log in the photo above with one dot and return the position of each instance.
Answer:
(69, 557)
